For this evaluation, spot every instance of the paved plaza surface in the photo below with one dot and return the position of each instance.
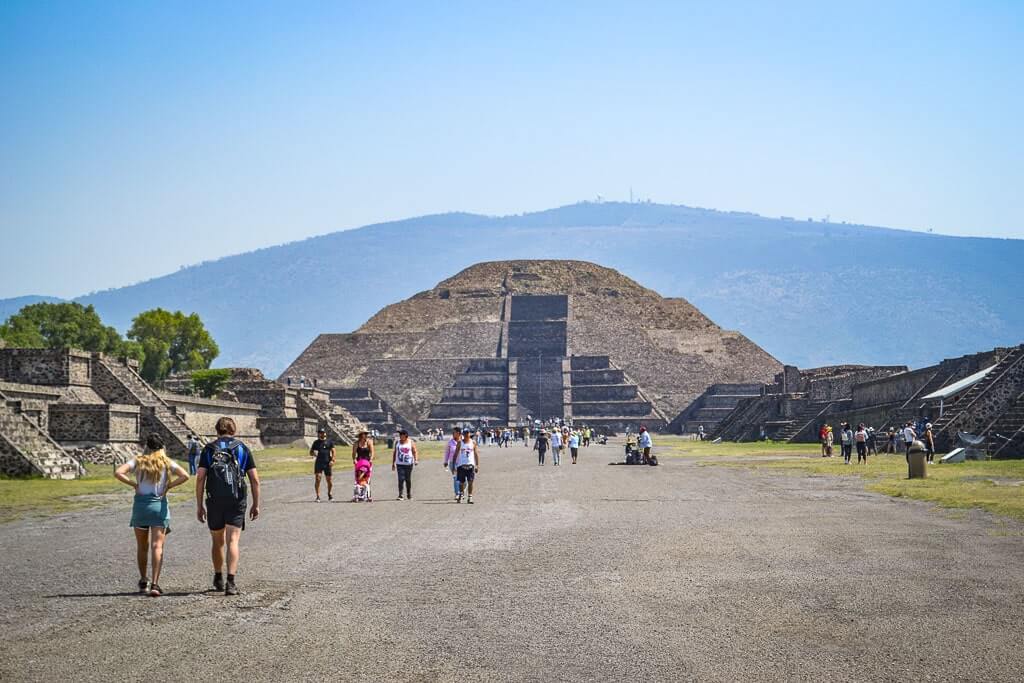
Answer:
(577, 573)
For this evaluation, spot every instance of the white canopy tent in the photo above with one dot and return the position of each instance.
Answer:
(957, 387)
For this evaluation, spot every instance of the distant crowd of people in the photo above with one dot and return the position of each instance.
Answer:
(863, 439)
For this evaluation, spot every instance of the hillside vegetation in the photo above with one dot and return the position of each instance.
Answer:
(810, 293)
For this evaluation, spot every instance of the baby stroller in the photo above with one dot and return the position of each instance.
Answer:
(361, 490)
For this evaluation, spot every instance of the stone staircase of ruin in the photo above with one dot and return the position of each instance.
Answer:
(372, 410)
(602, 396)
(980, 407)
(341, 425)
(735, 426)
(27, 449)
(479, 393)
(711, 407)
(806, 418)
(127, 386)
(1006, 435)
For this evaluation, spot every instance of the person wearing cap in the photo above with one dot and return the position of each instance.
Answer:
(645, 443)
(403, 459)
(323, 450)
(908, 438)
(929, 442)
(450, 457)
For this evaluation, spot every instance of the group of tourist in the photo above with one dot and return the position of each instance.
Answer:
(863, 438)
(908, 434)
(225, 472)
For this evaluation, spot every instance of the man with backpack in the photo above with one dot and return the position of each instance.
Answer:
(195, 447)
(221, 496)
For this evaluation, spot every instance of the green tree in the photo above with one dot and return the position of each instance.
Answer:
(209, 382)
(65, 325)
(172, 343)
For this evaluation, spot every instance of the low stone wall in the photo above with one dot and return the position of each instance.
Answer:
(201, 415)
(841, 386)
(283, 431)
(74, 422)
(54, 367)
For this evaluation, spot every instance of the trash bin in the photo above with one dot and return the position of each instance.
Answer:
(391, 443)
(916, 461)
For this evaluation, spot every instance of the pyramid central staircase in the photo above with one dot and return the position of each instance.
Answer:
(534, 376)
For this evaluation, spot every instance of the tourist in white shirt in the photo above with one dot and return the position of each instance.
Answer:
(908, 438)
(556, 446)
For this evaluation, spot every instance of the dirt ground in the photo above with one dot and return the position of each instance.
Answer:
(577, 573)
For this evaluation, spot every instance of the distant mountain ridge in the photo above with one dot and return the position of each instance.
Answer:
(810, 293)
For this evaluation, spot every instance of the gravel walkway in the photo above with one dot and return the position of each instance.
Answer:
(576, 573)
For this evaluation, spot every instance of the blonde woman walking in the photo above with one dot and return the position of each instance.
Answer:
(155, 475)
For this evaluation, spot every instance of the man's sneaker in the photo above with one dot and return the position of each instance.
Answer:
(317, 500)
(458, 498)
(330, 496)
(154, 591)
(400, 498)
(230, 588)
(143, 585)
(469, 501)
(218, 582)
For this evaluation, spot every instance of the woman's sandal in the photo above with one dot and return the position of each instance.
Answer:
(154, 591)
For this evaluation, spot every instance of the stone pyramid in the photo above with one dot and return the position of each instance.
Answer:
(504, 340)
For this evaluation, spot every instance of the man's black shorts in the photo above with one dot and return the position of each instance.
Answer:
(220, 513)
(323, 468)
(466, 473)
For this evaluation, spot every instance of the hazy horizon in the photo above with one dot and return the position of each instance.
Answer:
(209, 257)
(196, 133)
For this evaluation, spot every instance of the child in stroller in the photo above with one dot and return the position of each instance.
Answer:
(361, 490)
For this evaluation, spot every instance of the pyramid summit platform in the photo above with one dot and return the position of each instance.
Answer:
(501, 341)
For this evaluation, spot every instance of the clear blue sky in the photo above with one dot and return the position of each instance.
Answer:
(136, 137)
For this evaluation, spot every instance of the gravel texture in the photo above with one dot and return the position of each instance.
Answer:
(575, 573)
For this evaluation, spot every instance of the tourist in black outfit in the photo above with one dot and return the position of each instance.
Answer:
(323, 450)
(541, 446)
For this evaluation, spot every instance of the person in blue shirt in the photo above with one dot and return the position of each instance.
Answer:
(221, 499)
(195, 447)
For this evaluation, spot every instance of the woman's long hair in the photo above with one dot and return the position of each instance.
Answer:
(151, 465)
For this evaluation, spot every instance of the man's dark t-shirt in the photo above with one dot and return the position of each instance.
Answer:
(322, 448)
